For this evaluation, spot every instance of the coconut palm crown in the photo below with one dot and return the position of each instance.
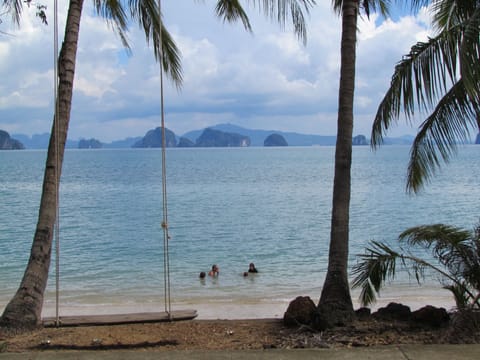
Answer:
(439, 77)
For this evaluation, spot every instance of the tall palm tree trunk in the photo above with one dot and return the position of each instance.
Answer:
(335, 306)
(24, 310)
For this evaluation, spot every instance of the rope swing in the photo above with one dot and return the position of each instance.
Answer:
(166, 237)
(57, 163)
(116, 318)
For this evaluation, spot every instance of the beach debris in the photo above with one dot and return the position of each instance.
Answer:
(45, 342)
(97, 342)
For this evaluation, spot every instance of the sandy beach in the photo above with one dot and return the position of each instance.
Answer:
(235, 309)
(221, 335)
(224, 325)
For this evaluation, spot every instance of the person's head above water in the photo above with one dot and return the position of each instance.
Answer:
(215, 270)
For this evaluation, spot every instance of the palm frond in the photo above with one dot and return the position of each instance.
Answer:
(470, 55)
(231, 11)
(298, 19)
(382, 6)
(374, 6)
(460, 296)
(14, 7)
(456, 249)
(450, 245)
(450, 123)
(457, 260)
(448, 13)
(440, 236)
(172, 59)
(146, 12)
(114, 13)
(419, 80)
(464, 296)
(414, 5)
(379, 264)
(281, 10)
(375, 266)
(337, 6)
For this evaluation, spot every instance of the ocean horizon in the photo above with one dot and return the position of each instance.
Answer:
(226, 206)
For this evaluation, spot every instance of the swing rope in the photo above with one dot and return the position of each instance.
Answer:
(57, 163)
(166, 237)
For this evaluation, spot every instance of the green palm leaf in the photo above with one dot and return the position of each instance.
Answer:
(376, 266)
(440, 76)
(278, 10)
(449, 124)
(459, 294)
(418, 81)
(14, 7)
(470, 55)
(449, 13)
(450, 245)
(113, 12)
(231, 11)
(146, 13)
(457, 252)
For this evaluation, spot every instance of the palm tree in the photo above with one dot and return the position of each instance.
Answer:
(457, 255)
(441, 77)
(335, 306)
(24, 310)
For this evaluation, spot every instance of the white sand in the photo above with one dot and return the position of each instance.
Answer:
(413, 296)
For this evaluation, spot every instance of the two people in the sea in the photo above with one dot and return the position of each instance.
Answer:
(213, 273)
(216, 270)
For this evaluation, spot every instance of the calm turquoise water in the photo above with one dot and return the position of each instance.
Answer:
(270, 206)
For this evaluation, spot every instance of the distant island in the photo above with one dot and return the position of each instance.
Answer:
(89, 144)
(258, 137)
(153, 139)
(228, 135)
(360, 140)
(8, 143)
(275, 140)
(208, 138)
(217, 138)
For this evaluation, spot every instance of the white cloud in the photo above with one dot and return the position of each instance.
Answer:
(265, 80)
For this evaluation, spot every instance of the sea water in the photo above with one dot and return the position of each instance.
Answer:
(226, 206)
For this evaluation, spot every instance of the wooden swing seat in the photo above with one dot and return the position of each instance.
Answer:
(117, 319)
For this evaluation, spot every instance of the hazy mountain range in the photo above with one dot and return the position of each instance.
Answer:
(257, 137)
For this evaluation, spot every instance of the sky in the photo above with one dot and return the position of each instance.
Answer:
(266, 80)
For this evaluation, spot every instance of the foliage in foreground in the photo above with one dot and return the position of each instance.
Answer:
(438, 77)
(456, 255)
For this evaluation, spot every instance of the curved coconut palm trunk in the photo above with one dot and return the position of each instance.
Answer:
(335, 302)
(24, 310)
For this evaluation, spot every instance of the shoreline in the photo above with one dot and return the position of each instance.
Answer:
(233, 309)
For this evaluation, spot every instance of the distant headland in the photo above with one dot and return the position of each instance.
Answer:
(8, 143)
(221, 135)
